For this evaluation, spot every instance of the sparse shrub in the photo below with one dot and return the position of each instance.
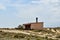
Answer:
(37, 39)
(40, 38)
(3, 33)
(46, 38)
(20, 27)
(58, 36)
(37, 30)
(50, 39)
(19, 36)
(15, 36)
(28, 38)
(0, 31)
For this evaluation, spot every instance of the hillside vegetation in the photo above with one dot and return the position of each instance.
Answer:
(45, 34)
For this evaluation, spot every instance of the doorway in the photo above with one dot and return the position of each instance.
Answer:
(27, 27)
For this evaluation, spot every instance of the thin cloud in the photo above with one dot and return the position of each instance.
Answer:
(2, 7)
(48, 11)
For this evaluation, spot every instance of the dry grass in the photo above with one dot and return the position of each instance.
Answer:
(28, 35)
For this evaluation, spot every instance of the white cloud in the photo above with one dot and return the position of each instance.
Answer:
(53, 1)
(45, 11)
(2, 7)
(38, 9)
(36, 1)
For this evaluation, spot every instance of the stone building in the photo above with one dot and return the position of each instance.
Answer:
(34, 25)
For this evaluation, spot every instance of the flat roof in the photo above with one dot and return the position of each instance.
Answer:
(32, 23)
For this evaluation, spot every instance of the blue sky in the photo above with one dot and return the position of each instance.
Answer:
(15, 12)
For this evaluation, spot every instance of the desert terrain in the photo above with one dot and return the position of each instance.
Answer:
(14, 34)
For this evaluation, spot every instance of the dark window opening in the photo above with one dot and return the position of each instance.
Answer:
(27, 27)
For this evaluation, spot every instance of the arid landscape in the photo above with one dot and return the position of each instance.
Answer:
(45, 34)
(29, 19)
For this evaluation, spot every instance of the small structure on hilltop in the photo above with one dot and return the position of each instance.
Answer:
(34, 25)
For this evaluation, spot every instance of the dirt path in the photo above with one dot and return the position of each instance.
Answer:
(16, 31)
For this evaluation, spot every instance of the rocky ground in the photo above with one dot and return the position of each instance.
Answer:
(46, 34)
